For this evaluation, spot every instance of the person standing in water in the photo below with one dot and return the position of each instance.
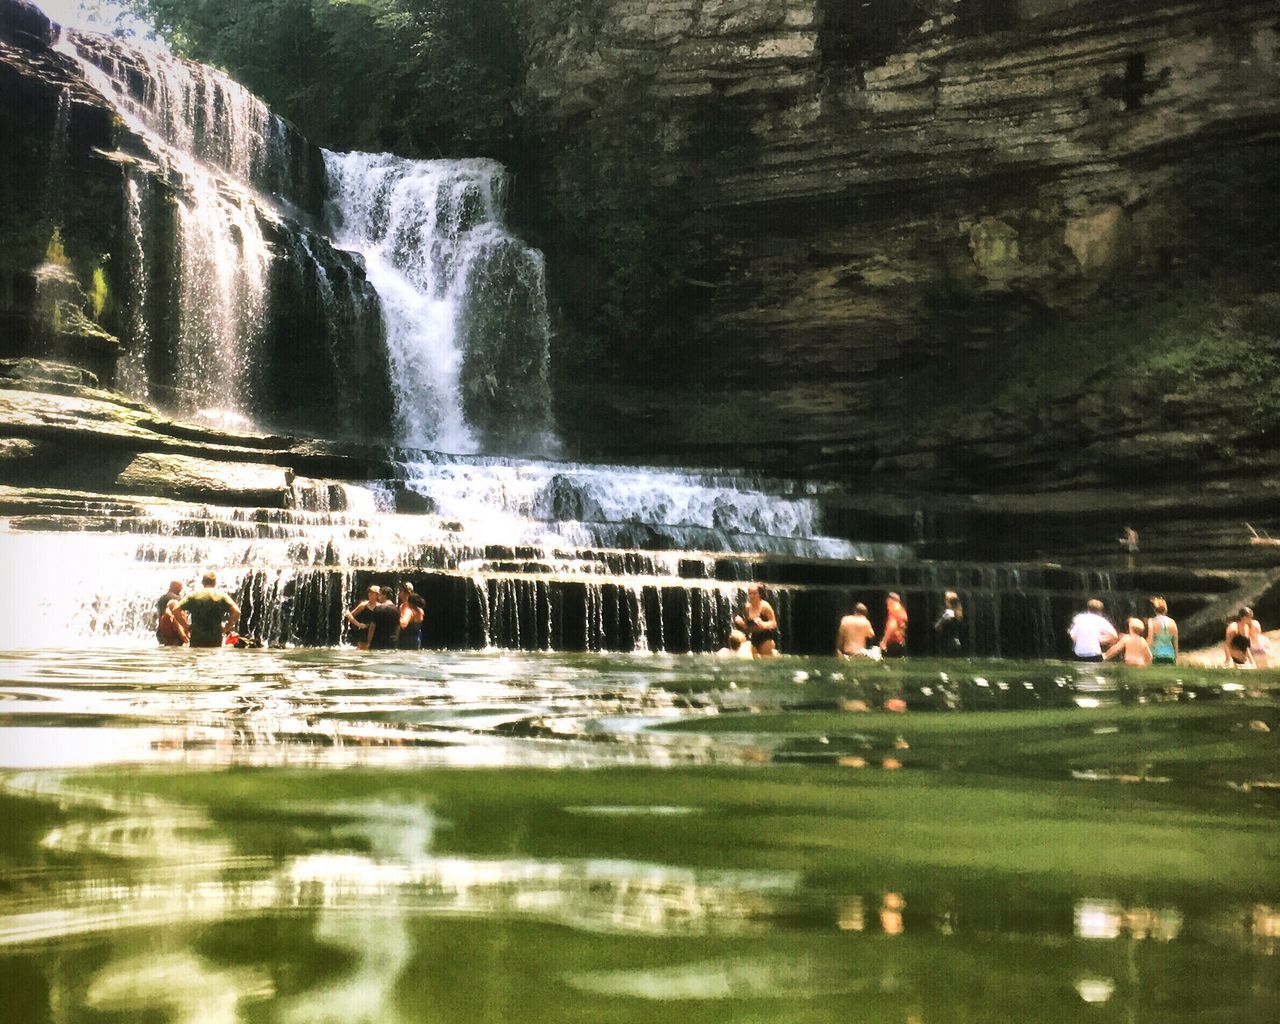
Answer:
(1162, 634)
(212, 613)
(1129, 541)
(948, 625)
(172, 626)
(759, 622)
(1134, 646)
(854, 639)
(377, 620)
(412, 614)
(893, 643)
(1090, 631)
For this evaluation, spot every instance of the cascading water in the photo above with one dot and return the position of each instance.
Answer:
(464, 301)
(195, 120)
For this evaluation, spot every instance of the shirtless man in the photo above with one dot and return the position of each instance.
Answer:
(759, 622)
(207, 608)
(172, 627)
(855, 635)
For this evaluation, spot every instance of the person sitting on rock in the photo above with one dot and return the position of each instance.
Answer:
(1237, 643)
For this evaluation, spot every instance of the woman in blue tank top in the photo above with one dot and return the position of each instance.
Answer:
(1162, 634)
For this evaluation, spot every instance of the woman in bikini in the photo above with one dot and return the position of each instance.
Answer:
(1236, 645)
(759, 622)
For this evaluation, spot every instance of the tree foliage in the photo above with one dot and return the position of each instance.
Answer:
(422, 78)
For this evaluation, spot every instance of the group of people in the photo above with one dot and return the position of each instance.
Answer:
(207, 617)
(1154, 641)
(388, 619)
(755, 632)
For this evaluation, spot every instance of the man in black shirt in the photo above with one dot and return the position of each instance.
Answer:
(378, 620)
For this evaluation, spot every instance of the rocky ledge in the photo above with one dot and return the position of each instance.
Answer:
(61, 430)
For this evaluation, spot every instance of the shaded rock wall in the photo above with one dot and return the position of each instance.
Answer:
(924, 180)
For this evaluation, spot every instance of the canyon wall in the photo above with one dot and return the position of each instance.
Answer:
(886, 209)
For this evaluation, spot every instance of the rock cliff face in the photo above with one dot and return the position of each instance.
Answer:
(913, 196)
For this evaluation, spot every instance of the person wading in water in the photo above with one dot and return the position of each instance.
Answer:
(412, 614)
(207, 608)
(172, 626)
(759, 622)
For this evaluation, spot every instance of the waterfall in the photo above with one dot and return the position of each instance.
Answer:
(132, 374)
(195, 120)
(464, 301)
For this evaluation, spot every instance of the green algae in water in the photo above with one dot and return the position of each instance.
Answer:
(987, 877)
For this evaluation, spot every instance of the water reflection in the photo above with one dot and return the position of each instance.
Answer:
(1107, 919)
(146, 896)
(281, 707)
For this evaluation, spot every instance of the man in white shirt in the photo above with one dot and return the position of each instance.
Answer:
(1090, 632)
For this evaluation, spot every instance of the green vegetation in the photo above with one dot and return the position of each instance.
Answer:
(421, 78)
(1211, 352)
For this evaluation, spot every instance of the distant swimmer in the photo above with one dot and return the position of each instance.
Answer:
(854, 639)
(212, 613)
(173, 629)
(759, 622)
(893, 643)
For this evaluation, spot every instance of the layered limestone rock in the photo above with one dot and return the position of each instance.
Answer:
(913, 184)
(60, 429)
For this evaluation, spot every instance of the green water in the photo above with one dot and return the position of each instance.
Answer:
(213, 837)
